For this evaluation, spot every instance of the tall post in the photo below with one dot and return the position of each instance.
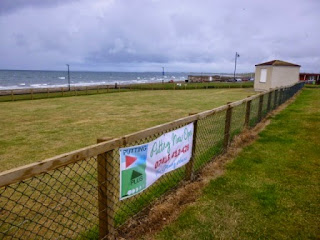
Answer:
(190, 164)
(247, 117)
(105, 203)
(68, 77)
(260, 108)
(227, 128)
(235, 65)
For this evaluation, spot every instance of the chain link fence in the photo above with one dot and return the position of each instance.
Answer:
(76, 195)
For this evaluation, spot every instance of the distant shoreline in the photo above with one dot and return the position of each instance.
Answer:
(21, 91)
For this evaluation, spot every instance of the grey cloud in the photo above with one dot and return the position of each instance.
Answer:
(141, 34)
(9, 6)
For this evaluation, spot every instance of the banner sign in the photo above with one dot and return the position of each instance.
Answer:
(142, 165)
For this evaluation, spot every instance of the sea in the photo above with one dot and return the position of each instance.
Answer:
(20, 79)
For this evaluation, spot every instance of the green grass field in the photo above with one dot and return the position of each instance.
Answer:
(270, 191)
(38, 129)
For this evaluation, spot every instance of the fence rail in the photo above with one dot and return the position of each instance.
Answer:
(76, 195)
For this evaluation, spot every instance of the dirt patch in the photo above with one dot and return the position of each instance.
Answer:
(167, 208)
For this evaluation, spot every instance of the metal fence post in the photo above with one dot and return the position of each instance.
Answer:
(227, 128)
(260, 108)
(190, 164)
(105, 205)
(247, 117)
(269, 102)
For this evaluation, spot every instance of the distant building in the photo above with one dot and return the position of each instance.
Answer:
(310, 77)
(275, 74)
(206, 78)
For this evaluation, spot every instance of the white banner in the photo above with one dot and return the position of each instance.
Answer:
(142, 165)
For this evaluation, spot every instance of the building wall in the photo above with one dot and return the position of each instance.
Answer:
(262, 86)
(284, 76)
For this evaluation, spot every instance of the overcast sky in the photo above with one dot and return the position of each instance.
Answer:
(144, 35)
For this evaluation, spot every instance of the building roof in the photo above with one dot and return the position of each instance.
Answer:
(278, 63)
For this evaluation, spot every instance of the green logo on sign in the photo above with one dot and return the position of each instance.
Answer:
(133, 170)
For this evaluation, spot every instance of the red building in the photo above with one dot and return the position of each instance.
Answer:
(310, 77)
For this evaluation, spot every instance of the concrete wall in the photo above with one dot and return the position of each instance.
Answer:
(259, 86)
(284, 76)
(277, 76)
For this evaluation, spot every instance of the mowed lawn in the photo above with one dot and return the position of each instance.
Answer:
(33, 130)
(271, 190)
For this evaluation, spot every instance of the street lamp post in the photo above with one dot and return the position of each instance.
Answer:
(235, 65)
(162, 74)
(68, 77)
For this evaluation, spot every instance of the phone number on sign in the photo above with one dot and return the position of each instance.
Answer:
(175, 154)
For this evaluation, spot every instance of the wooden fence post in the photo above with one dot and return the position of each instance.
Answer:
(190, 164)
(275, 98)
(260, 108)
(269, 102)
(62, 91)
(105, 203)
(247, 117)
(31, 93)
(107, 88)
(280, 97)
(47, 92)
(12, 98)
(227, 128)
(86, 90)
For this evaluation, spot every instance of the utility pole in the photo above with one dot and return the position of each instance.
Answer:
(162, 74)
(68, 77)
(235, 65)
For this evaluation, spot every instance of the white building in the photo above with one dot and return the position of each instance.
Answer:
(275, 74)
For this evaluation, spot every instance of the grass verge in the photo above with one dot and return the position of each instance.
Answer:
(34, 130)
(270, 191)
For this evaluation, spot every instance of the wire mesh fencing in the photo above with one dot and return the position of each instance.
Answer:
(77, 195)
